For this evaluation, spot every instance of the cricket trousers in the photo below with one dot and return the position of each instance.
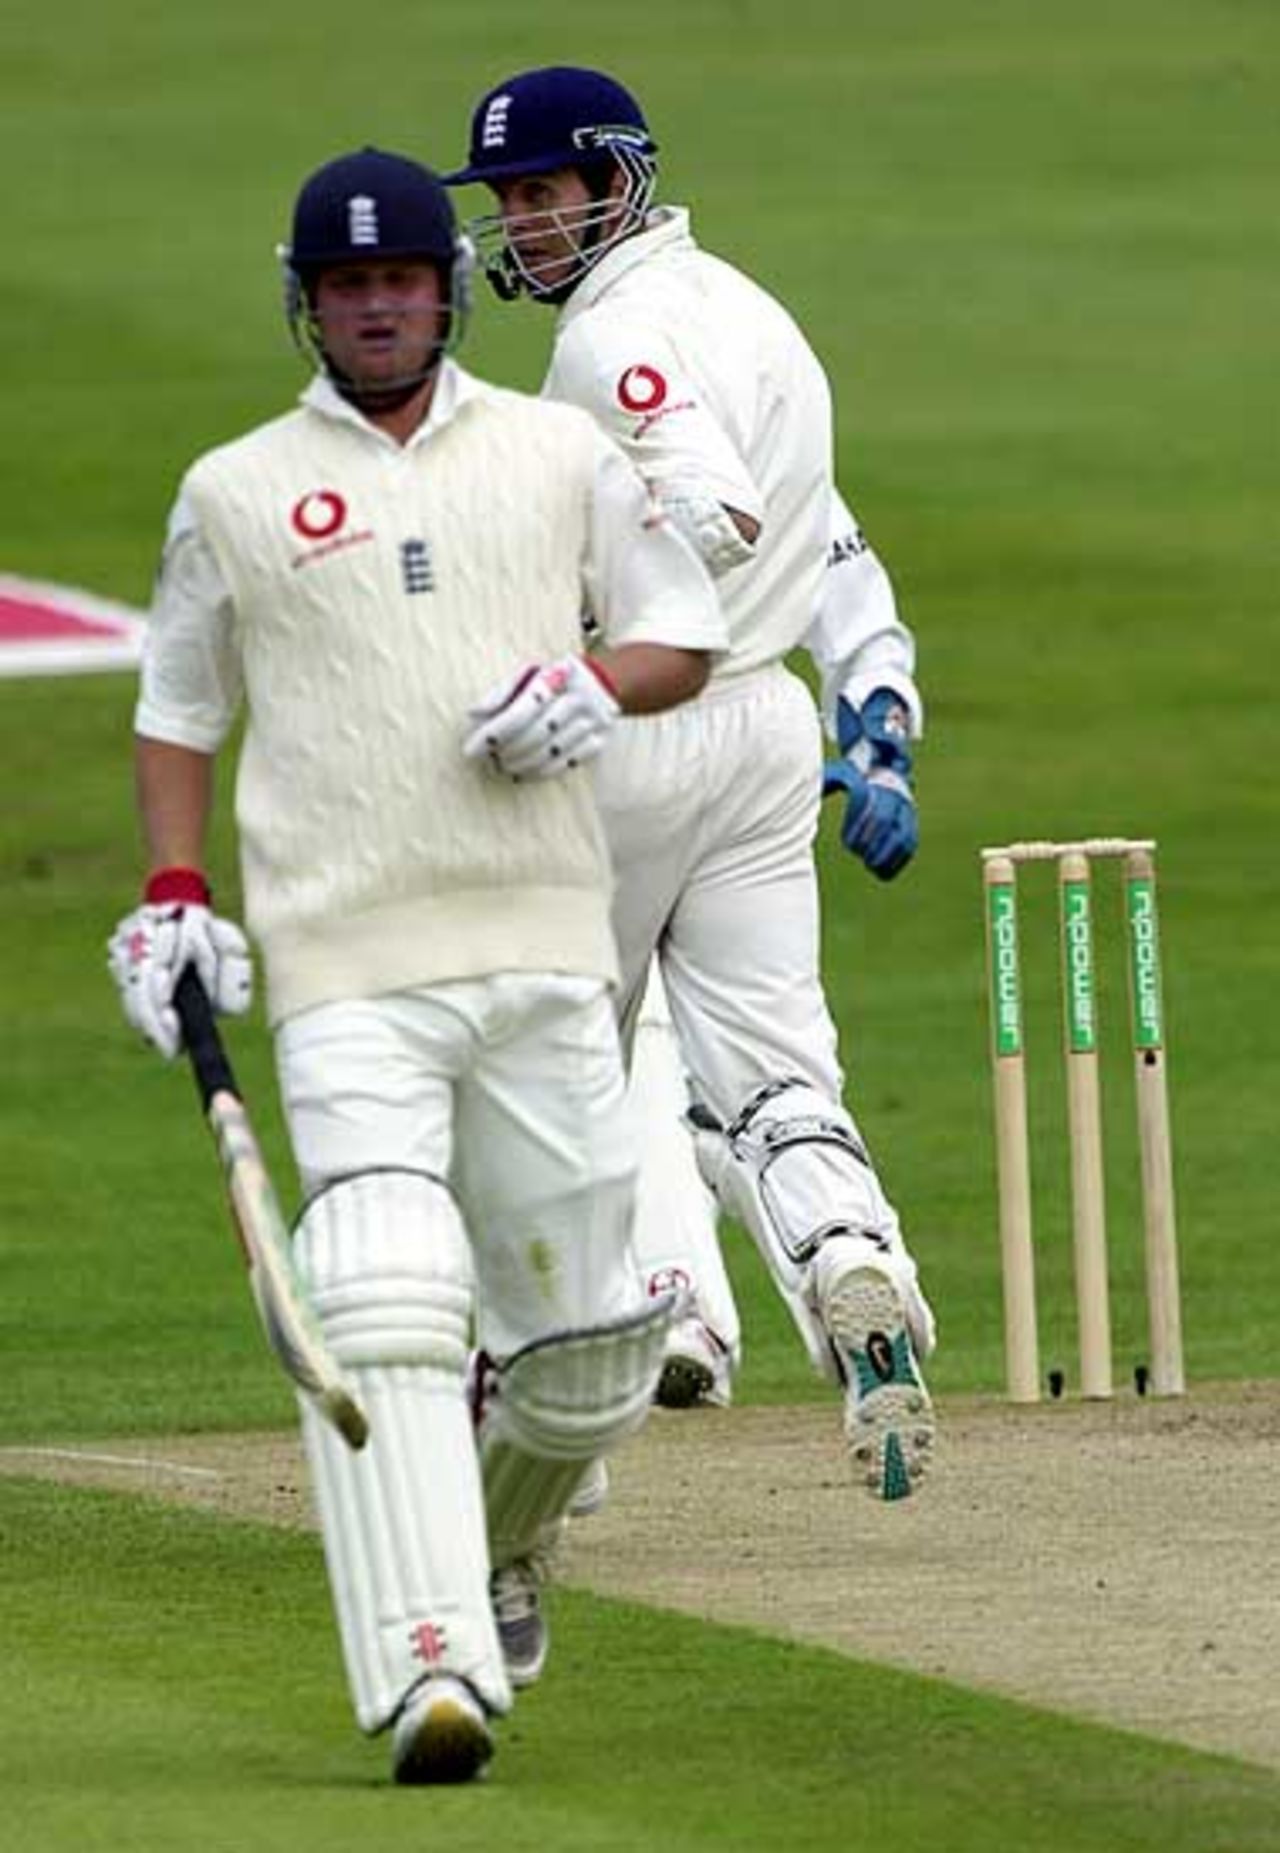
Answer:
(711, 811)
(509, 1088)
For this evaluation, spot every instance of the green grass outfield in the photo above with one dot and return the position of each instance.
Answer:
(190, 1698)
(1034, 245)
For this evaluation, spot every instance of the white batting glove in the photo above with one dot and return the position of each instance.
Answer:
(152, 947)
(545, 720)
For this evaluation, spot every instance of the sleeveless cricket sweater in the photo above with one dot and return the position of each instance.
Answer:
(379, 592)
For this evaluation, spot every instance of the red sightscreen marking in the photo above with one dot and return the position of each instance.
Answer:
(27, 620)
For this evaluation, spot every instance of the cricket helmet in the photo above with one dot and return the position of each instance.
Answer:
(537, 122)
(559, 116)
(371, 205)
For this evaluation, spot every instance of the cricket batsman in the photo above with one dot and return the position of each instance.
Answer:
(711, 810)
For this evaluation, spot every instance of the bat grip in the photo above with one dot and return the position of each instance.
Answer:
(209, 1060)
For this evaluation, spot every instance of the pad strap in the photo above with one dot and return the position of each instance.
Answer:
(560, 1404)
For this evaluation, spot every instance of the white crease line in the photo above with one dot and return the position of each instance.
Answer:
(115, 1460)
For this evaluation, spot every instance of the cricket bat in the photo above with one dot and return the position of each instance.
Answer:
(290, 1323)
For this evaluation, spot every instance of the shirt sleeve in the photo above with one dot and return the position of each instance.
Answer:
(191, 677)
(857, 639)
(643, 582)
(635, 385)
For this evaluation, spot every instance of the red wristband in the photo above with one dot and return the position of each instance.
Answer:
(183, 885)
(603, 677)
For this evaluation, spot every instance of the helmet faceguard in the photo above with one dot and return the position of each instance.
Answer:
(373, 206)
(539, 123)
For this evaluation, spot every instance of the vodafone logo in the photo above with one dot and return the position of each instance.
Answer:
(318, 515)
(641, 389)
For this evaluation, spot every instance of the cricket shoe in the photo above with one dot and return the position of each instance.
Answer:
(441, 1733)
(888, 1417)
(696, 1369)
(515, 1596)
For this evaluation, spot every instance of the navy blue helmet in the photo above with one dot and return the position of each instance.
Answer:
(539, 122)
(559, 116)
(370, 205)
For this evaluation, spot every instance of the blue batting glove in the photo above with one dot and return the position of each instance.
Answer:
(880, 823)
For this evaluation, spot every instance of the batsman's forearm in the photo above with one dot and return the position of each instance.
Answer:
(175, 798)
(649, 677)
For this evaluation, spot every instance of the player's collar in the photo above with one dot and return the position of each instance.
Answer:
(665, 228)
(454, 388)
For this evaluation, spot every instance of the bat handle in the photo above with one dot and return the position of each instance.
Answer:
(209, 1061)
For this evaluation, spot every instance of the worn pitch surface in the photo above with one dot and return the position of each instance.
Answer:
(1116, 1561)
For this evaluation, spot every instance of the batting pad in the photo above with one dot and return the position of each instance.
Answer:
(389, 1269)
(561, 1404)
(794, 1172)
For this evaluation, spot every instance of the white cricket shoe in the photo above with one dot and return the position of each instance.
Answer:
(515, 1595)
(696, 1368)
(441, 1733)
(888, 1417)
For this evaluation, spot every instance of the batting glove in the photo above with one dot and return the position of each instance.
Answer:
(152, 947)
(880, 823)
(546, 720)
